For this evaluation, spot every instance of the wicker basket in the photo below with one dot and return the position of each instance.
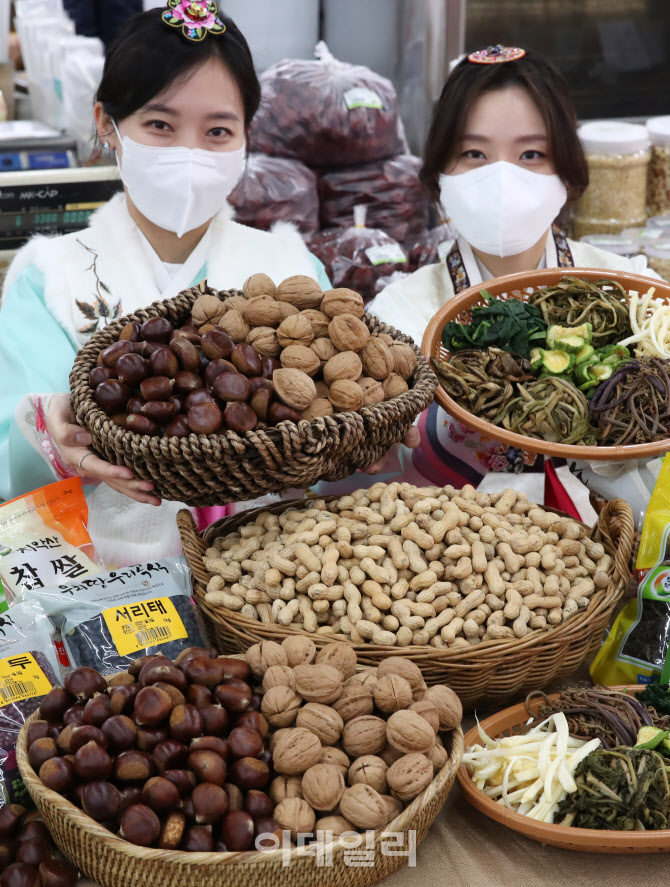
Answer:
(520, 286)
(492, 672)
(204, 470)
(113, 862)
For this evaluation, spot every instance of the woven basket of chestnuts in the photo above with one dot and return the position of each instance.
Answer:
(224, 396)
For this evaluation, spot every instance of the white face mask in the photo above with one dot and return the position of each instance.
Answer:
(501, 208)
(178, 188)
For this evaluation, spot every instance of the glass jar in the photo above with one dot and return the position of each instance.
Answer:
(658, 181)
(619, 244)
(658, 257)
(616, 198)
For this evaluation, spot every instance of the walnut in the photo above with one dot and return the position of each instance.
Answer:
(409, 732)
(298, 357)
(205, 328)
(333, 825)
(404, 359)
(404, 667)
(427, 710)
(345, 365)
(377, 359)
(372, 390)
(390, 755)
(363, 807)
(341, 656)
(355, 701)
(318, 320)
(324, 350)
(287, 310)
(235, 325)
(278, 676)
(295, 816)
(364, 736)
(348, 333)
(280, 705)
(318, 683)
(258, 285)
(367, 677)
(392, 693)
(234, 303)
(322, 720)
(295, 330)
(296, 751)
(386, 339)
(264, 340)
(409, 776)
(447, 704)
(322, 390)
(299, 650)
(207, 309)
(342, 301)
(322, 786)
(336, 757)
(346, 395)
(393, 807)
(263, 311)
(276, 737)
(294, 388)
(283, 787)
(420, 692)
(370, 770)
(261, 656)
(317, 409)
(301, 291)
(438, 757)
(394, 386)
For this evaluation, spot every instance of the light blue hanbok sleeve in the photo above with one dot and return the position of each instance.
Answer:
(322, 277)
(36, 356)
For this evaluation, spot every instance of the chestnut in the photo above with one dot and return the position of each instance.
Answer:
(279, 412)
(159, 411)
(210, 743)
(268, 366)
(119, 680)
(240, 417)
(178, 401)
(58, 873)
(205, 418)
(234, 668)
(265, 756)
(8, 850)
(120, 419)
(234, 696)
(186, 353)
(35, 829)
(135, 404)
(247, 360)
(122, 698)
(163, 362)
(81, 735)
(112, 396)
(156, 672)
(152, 707)
(214, 719)
(172, 831)
(258, 805)
(148, 739)
(250, 773)
(235, 796)
(178, 427)
(100, 374)
(198, 838)
(188, 332)
(198, 397)
(138, 664)
(55, 704)
(40, 751)
(202, 670)
(217, 344)
(140, 825)
(237, 831)
(157, 388)
(57, 774)
(113, 352)
(215, 368)
(36, 730)
(74, 716)
(232, 387)
(10, 819)
(169, 755)
(92, 762)
(256, 702)
(186, 381)
(260, 403)
(199, 696)
(175, 695)
(131, 332)
(83, 683)
(20, 874)
(161, 795)
(133, 766)
(187, 809)
(97, 710)
(120, 732)
(259, 383)
(185, 723)
(265, 828)
(101, 800)
(254, 720)
(184, 780)
(54, 731)
(244, 742)
(131, 369)
(210, 803)
(208, 766)
(131, 794)
(146, 349)
(156, 329)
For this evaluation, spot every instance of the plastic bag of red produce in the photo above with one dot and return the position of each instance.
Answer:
(431, 246)
(357, 257)
(274, 189)
(326, 113)
(391, 190)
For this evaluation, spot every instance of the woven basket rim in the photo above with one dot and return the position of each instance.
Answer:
(516, 285)
(80, 820)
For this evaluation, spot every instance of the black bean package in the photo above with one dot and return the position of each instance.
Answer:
(108, 620)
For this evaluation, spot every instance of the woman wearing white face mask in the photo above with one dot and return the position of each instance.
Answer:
(501, 159)
(176, 110)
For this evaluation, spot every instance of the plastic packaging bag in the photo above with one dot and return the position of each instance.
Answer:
(28, 670)
(431, 247)
(44, 540)
(632, 480)
(326, 113)
(357, 257)
(637, 648)
(112, 618)
(390, 189)
(274, 189)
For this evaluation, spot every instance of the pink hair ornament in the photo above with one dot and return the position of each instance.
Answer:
(196, 18)
(495, 55)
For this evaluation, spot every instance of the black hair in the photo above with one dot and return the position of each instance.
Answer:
(545, 85)
(147, 56)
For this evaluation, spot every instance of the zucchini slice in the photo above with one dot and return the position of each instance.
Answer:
(557, 363)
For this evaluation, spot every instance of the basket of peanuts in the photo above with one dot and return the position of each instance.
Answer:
(491, 594)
